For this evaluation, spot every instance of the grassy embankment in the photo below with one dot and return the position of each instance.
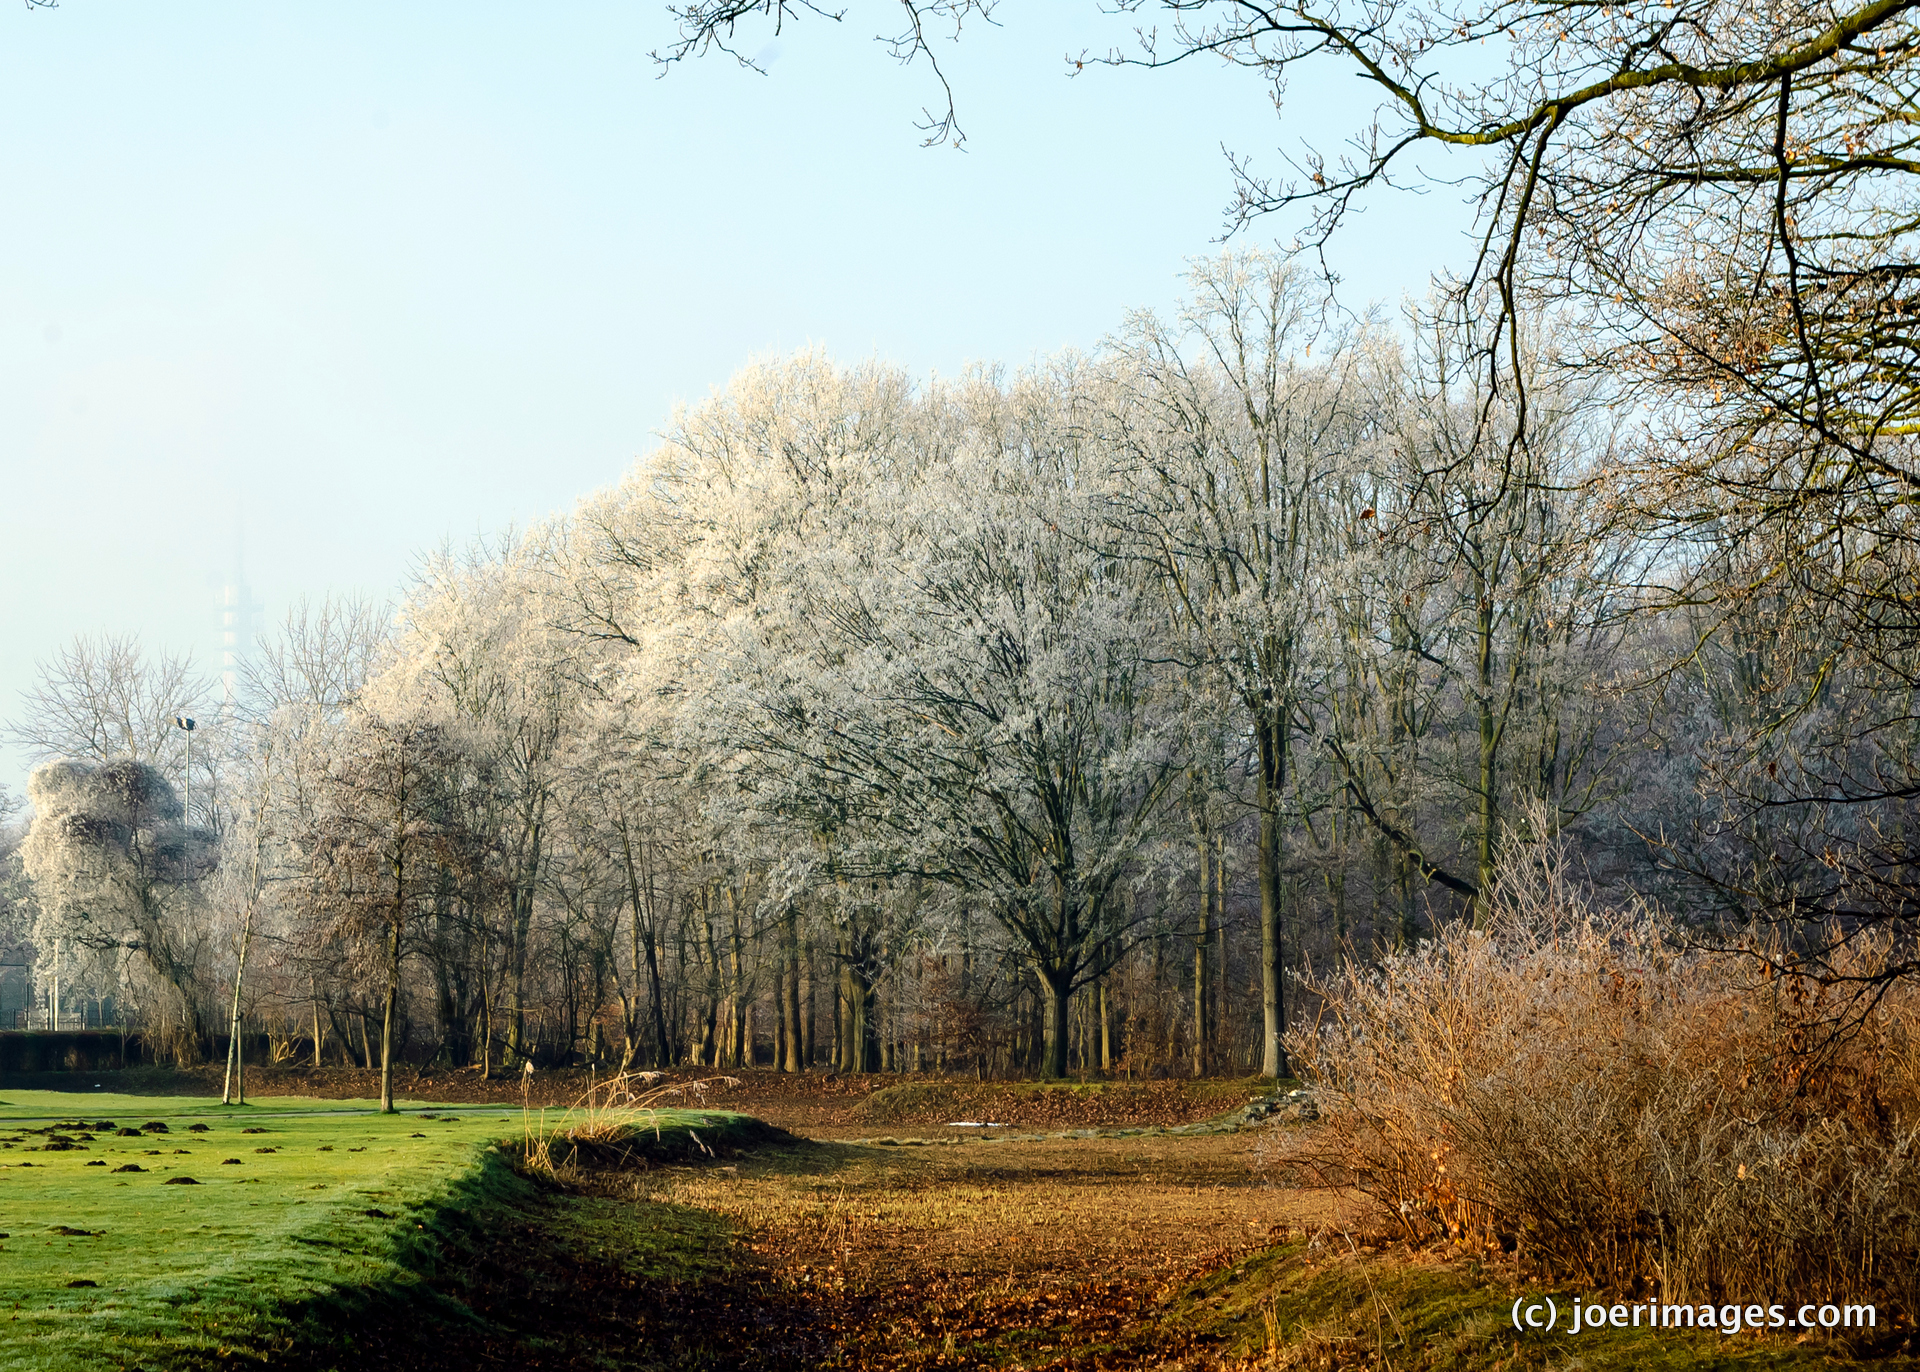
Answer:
(302, 1220)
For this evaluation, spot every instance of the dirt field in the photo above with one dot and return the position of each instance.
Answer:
(1026, 1254)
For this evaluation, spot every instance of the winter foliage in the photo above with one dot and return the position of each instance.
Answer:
(1052, 721)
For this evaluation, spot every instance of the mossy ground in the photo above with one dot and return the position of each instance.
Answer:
(1302, 1305)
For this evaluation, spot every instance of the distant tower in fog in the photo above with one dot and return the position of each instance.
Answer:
(239, 620)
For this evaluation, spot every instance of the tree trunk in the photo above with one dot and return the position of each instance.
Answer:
(398, 867)
(387, 1025)
(739, 1014)
(486, 1006)
(794, 1050)
(1223, 966)
(710, 1045)
(843, 1040)
(234, 1092)
(662, 1042)
(1489, 746)
(1057, 999)
(1202, 938)
(810, 1019)
(519, 931)
(859, 1022)
(781, 1028)
(1273, 1053)
(1106, 1021)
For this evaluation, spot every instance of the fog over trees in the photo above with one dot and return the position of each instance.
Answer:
(1047, 721)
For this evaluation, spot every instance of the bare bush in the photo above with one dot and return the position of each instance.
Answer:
(1625, 1111)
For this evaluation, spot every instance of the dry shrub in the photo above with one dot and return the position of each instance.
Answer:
(1624, 1111)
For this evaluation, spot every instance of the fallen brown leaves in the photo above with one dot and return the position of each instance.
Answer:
(1035, 1106)
(1052, 1254)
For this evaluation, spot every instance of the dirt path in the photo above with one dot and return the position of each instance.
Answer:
(1022, 1254)
(1015, 1254)
(1054, 1211)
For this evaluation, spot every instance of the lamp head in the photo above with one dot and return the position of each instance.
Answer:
(184, 722)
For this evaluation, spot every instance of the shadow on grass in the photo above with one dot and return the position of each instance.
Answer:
(509, 1270)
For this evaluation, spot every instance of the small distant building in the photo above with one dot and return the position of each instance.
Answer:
(16, 990)
(239, 623)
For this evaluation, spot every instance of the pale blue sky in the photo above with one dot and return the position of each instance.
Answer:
(369, 276)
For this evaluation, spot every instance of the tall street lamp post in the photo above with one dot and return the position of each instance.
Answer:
(186, 802)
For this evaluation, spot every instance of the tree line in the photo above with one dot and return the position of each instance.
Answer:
(1042, 721)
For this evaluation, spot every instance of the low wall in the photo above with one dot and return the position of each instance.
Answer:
(79, 1050)
(100, 1050)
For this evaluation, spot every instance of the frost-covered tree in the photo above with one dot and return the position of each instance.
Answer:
(476, 655)
(381, 851)
(117, 877)
(679, 573)
(17, 906)
(298, 693)
(1238, 444)
(102, 698)
(924, 665)
(1518, 566)
(883, 722)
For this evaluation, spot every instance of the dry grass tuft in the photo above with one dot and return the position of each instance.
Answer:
(604, 1123)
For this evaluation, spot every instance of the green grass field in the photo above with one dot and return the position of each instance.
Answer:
(300, 1212)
